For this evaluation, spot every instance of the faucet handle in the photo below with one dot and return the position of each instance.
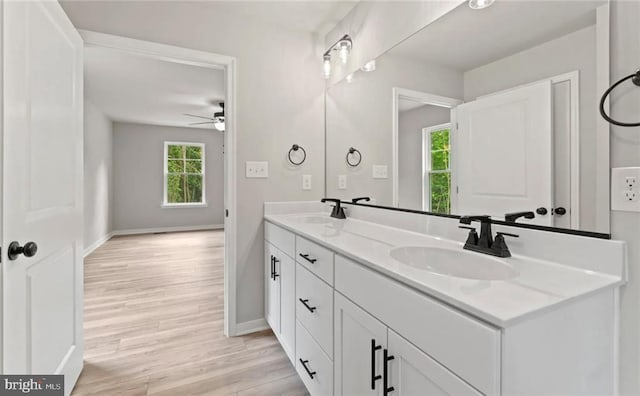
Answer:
(472, 238)
(507, 234)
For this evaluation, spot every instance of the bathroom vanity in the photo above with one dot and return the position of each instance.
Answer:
(386, 305)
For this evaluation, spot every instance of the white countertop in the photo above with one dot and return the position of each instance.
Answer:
(539, 285)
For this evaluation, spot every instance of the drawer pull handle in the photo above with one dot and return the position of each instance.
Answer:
(374, 377)
(306, 257)
(304, 364)
(275, 261)
(385, 373)
(304, 302)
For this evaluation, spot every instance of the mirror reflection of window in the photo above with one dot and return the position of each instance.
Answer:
(437, 145)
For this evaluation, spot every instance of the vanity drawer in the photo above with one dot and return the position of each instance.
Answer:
(466, 346)
(316, 364)
(315, 258)
(314, 308)
(280, 238)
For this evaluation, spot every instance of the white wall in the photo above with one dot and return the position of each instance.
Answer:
(279, 102)
(138, 169)
(410, 124)
(575, 51)
(98, 181)
(625, 151)
(359, 115)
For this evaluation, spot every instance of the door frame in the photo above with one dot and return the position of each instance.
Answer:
(416, 96)
(214, 61)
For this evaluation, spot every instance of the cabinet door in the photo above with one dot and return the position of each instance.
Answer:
(359, 342)
(287, 304)
(413, 372)
(272, 287)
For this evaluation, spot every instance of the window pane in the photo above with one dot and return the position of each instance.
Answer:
(440, 150)
(184, 188)
(175, 189)
(440, 187)
(194, 166)
(193, 152)
(175, 152)
(175, 166)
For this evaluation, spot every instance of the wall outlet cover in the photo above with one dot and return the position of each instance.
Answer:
(380, 172)
(625, 190)
(342, 182)
(306, 182)
(257, 169)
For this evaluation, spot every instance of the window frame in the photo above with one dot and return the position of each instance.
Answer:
(165, 203)
(427, 170)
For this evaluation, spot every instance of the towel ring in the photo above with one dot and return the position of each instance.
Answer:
(296, 147)
(635, 78)
(350, 153)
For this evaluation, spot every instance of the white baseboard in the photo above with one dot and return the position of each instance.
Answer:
(251, 326)
(91, 248)
(169, 229)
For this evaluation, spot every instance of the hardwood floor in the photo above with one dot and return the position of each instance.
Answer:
(153, 323)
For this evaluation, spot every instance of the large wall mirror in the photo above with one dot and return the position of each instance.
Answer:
(498, 118)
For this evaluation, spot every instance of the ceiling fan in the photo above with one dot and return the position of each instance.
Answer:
(217, 120)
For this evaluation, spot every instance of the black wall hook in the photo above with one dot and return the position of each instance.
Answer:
(635, 79)
(350, 154)
(297, 147)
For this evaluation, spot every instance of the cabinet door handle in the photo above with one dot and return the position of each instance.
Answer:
(273, 266)
(306, 257)
(304, 364)
(304, 302)
(275, 261)
(386, 389)
(374, 377)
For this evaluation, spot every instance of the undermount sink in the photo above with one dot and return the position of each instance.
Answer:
(314, 219)
(457, 263)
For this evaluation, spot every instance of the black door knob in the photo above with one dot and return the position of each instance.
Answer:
(29, 250)
(560, 211)
(542, 211)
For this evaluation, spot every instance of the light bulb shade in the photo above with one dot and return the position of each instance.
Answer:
(480, 4)
(344, 47)
(219, 125)
(326, 66)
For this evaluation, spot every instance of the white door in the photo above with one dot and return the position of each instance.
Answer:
(288, 304)
(359, 342)
(503, 154)
(42, 191)
(272, 287)
(412, 372)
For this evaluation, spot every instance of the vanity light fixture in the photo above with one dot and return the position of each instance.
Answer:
(343, 46)
(480, 4)
(369, 66)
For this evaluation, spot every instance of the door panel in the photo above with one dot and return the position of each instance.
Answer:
(42, 184)
(272, 287)
(288, 305)
(503, 153)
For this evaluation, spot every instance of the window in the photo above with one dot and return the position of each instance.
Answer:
(184, 174)
(437, 184)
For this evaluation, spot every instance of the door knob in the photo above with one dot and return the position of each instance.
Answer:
(560, 211)
(29, 250)
(541, 211)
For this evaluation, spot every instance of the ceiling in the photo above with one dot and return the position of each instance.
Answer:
(133, 88)
(465, 39)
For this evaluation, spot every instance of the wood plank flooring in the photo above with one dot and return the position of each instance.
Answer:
(153, 323)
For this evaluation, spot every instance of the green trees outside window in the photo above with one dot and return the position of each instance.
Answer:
(184, 173)
(440, 173)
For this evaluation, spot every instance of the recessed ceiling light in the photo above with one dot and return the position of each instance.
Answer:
(480, 4)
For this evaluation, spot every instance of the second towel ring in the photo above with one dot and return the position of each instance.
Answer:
(297, 147)
(350, 153)
(635, 78)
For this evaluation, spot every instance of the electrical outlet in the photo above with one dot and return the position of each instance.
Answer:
(380, 172)
(625, 190)
(306, 182)
(257, 169)
(342, 182)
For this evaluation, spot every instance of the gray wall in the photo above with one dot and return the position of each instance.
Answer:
(98, 181)
(625, 151)
(410, 124)
(138, 169)
(575, 51)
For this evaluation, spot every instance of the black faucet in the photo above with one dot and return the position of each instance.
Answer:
(338, 210)
(485, 243)
(512, 217)
(356, 200)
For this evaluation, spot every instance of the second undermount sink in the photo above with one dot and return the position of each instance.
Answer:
(457, 263)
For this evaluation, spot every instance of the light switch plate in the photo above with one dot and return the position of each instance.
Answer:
(342, 182)
(257, 169)
(625, 189)
(306, 182)
(380, 172)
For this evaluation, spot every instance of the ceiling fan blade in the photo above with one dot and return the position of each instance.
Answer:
(200, 123)
(193, 115)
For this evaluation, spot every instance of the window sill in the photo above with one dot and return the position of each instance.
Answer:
(183, 205)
